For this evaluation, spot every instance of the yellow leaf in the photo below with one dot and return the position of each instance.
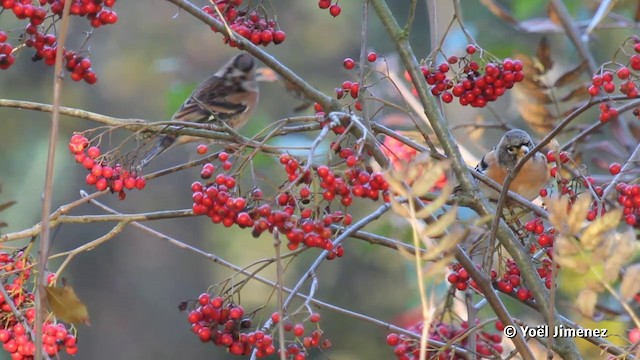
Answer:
(586, 302)
(66, 306)
(435, 204)
(443, 223)
(592, 236)
(578, 213)
(618, 251)
(630, 285)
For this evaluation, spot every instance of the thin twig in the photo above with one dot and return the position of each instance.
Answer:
(43, 248)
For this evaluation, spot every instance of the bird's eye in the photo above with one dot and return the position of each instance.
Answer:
(512, 149)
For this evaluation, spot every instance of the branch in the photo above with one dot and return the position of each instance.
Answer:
(43, 248)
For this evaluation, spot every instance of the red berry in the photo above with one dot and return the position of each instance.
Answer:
(202, 149)
(93, 152)
(348, 63)
(335, 10)
(471, 49)
(393, 339)
(278, 37)
(372, 57)
(615, 168)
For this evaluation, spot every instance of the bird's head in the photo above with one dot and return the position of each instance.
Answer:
(513, 146)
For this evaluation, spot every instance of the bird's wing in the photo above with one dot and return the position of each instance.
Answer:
(210, 100)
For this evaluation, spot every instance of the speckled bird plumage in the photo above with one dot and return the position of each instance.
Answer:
(229, 96)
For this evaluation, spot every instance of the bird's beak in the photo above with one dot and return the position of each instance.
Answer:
(524, 150)
(266, 74)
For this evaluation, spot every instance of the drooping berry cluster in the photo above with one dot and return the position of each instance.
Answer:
(349, 87)
(14, 336)
(102, 175)
(36, 33)
(625, 71)
(334, 9)
(407, 348)
(297, 212)
(464, 78)
(298, 348)
(254, 25)
(226, 325)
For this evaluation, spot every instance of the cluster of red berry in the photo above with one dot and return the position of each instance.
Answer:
(629, 199)
(459, 277)
(350, 87)
(102, 175)
(250, 24)
(227, 325)
(625, 73)
(407, 348)
(462, 78)
(398, 153)
(334, 9)
(288, 212)
(298, 350)
(98, 13)
(16, 340)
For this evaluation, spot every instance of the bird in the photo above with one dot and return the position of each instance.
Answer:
(498, 162)
(229, 96)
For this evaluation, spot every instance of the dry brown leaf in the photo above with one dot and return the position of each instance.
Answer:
(543, 54)
(498, 10)
(586, 302)
(571, 75)
(6, 205)
(593, 235)
(578, 213)
(552, 13)
(579, 93)
(66, 306)
(630, 285)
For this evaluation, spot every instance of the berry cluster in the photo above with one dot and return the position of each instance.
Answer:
(629, 199)
(101, 174)
(14, 336)
(459, 277)
(464, 79)
(226, 325)
(250, 24)
(298, 349)
(407, 348)
(398, 153)
(36, 35)
(626, 74)
(334, 9)
(350, 87)
(290, 212)
(98, 12)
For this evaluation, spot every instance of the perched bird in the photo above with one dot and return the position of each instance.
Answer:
(497, 163)
(229, 96)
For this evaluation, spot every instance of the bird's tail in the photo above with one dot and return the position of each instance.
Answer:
(162, 144)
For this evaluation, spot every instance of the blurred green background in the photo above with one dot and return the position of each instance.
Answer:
(147, 64)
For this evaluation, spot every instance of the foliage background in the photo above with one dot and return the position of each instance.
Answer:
(147, 64)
